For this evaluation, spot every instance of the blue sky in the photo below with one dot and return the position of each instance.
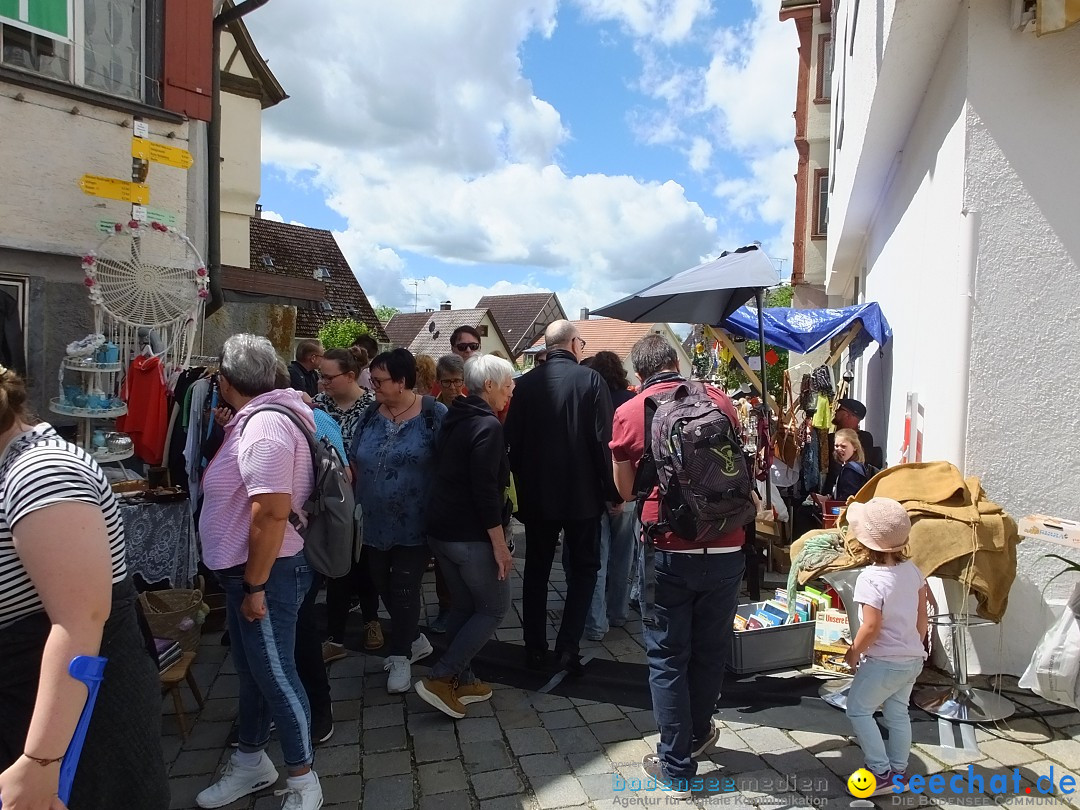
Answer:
(585, 146)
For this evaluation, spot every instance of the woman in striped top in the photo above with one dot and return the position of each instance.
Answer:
(65, 591)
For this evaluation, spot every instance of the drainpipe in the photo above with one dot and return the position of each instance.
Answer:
(968, 266)
(213, 152)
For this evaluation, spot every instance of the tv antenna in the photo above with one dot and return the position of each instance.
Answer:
(415, 284)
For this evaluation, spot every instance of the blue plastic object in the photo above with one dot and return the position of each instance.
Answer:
(803, 330)
(90, 669)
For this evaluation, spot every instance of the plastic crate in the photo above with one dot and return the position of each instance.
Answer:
(786, 646)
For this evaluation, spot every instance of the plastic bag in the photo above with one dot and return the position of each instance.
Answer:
(1054, 671)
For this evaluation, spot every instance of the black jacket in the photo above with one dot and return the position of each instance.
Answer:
(303, 380)
(872, 453)
(468, 495)
(558, 430)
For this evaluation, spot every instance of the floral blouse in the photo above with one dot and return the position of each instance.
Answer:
(347, 420)
(394, 472)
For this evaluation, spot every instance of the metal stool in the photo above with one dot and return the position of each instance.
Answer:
(958, 701)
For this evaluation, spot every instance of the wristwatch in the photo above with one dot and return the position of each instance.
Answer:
(249, 588)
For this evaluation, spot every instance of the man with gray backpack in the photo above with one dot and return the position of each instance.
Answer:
(676, 451)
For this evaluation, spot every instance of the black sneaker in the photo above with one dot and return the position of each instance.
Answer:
(654, 769)
(536, 659)
(571, 662)
(699, 747)
(322, 730)
(438, 626)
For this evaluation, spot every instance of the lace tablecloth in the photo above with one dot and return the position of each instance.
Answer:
(160, 542)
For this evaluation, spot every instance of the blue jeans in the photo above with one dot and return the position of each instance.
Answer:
(618, 539)
(883, 682)
(688, 648)
(263, 653)
(478, 602)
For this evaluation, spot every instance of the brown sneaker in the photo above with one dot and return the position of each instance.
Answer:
(332, 651)
(475, 692)
(373, 637)
(440, 693)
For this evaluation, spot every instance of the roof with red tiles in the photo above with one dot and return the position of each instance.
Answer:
(297, 251)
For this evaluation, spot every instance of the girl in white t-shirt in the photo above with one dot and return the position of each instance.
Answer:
(888, 649)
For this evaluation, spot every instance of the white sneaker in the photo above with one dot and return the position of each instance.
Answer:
(237, 781)
(305, 795)
(400, 679)
(421, 648)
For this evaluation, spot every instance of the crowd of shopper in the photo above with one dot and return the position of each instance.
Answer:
(441, 454)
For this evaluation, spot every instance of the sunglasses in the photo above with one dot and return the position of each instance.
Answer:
(468, 347)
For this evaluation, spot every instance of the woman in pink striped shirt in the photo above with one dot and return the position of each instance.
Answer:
(253, 492)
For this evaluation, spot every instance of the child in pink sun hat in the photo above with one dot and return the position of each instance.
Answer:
(887, 652)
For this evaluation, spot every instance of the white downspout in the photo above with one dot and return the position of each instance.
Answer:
(968, 266)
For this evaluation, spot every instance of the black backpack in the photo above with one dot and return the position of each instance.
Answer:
(694, 456)
(331, 537)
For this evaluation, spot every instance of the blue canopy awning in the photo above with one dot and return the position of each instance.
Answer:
(803, 330)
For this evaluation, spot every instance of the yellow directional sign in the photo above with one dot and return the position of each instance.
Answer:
(112, 189)
(160, 153)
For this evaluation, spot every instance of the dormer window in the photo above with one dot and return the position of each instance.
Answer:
(267, 260)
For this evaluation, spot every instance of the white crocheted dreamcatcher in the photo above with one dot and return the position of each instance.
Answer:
(147, 276)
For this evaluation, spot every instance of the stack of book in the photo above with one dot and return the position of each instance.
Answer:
(168, 653)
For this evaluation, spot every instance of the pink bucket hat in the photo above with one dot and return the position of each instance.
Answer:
(881, 524)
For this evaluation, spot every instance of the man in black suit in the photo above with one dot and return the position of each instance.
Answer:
(557, 433)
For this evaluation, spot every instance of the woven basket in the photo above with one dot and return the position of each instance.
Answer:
(174, 614)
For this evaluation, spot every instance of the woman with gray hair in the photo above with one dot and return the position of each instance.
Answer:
(467, 519)
(450, 375)
(257, 481)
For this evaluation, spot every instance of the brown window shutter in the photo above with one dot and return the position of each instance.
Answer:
(188, 57)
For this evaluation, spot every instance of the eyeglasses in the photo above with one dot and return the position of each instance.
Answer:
(452, 383)
(468, 347)
(582, 341)
(330, 377)
(376, 382)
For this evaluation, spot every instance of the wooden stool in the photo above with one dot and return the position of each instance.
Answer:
(170, 682)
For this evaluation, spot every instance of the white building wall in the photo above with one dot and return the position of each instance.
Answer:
(911, 257)
(971, 249)
(1023, 433)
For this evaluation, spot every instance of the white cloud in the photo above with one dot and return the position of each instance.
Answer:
(272, 216)
(737, 105)
(668, 21)
(700, 154)
(426, 145)
(418, 125)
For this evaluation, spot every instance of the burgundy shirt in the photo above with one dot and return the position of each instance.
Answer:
(628, 444)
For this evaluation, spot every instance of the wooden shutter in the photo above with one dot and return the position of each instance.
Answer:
(189, 57)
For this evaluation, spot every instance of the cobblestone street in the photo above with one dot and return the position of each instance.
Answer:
(530, 750)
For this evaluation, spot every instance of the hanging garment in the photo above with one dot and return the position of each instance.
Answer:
(12, 354)
(811, 460)
(148, 411)
(823, 413)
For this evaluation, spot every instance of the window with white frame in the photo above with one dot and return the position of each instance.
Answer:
(97, 44)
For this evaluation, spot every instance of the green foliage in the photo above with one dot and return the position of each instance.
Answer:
(384, 312)
(733, 376)
(340, 333)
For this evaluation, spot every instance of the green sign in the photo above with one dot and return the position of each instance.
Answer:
(49, 18)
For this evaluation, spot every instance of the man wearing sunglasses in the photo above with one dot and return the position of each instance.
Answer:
(465, 342)
(557, 432)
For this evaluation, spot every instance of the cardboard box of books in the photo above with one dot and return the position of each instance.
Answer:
(832, 625)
